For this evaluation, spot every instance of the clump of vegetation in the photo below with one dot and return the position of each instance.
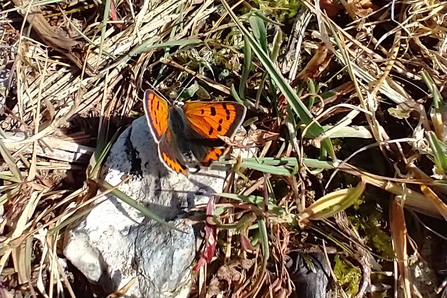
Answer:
(346, 104)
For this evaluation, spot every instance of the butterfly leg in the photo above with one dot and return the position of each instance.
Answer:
(198, 168)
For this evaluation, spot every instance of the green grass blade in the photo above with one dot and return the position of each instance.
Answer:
(7, 157)
(264, 238)
(439, 152)
(255, 200)
(171, 37)
(285, 166)
(275, 170)
(259, 31)
(2, 133)
(236, 95)
(291, 162)
(70, 220)
(105, 20)
(7, 176)
(332, 238)
(239, 225)
(297, 105)
(246, 68)
(173, 43)
(260, 90)
(438, 112)
(46, 2)
(266, 19)
(100, 154)
(33, 4)
(150, 44)
(276, 45)
(140, 207)
(258, 27)
(438, 102)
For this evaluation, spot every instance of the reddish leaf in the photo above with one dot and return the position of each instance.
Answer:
(330, 7)
(114, 15)
(210, 237)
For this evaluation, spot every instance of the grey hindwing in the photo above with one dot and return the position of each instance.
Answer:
(169, 146)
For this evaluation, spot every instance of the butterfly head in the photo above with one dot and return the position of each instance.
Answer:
(178, 103)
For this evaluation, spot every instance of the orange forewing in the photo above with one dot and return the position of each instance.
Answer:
(214, 119)
(156, 110)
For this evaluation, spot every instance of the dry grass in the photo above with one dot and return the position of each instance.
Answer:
(373, 70)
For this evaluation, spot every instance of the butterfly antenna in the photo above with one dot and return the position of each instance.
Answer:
(156, 91)
(186, 86)
(151, 86)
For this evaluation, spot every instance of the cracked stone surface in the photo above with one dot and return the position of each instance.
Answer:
(115, 243)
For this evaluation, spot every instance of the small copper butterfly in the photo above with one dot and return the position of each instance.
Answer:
(188, 133)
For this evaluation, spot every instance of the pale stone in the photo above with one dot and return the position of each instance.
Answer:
(114, 243)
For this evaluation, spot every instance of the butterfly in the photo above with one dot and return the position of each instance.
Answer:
(188, 133)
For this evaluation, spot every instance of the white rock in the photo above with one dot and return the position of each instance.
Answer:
(115, 243)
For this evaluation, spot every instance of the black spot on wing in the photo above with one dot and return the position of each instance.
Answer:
(220, 121)
(211, 131)
(213, 111)
(219, 128)
(202, 111)
(228, 112)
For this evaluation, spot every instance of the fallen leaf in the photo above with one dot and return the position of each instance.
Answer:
(330, 7)
(359, 8)
(317, 64)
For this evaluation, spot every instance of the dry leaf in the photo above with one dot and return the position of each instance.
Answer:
(317, 64)
(330, 7)
(359, 8)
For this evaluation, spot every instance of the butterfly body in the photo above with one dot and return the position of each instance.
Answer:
(188, 134)
(183, 138)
